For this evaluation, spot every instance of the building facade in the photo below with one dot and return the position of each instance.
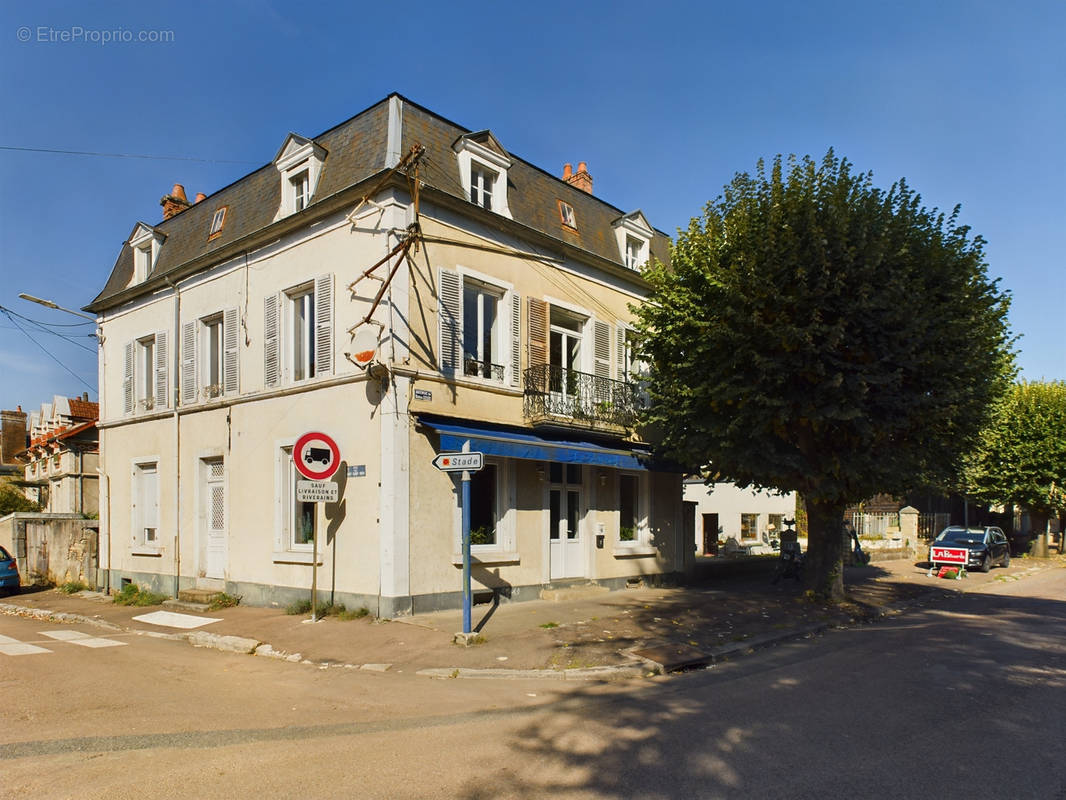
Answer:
(407, 287)
(750, 517)
(61, 461)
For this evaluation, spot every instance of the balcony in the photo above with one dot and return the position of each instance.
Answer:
(565, 396)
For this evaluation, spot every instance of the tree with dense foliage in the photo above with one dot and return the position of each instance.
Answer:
(1021, 457)
(815, 333)
(12, 500)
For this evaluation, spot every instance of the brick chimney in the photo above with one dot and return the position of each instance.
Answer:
(199, 196)
(175, 202)
(581, 179)
(13, 437)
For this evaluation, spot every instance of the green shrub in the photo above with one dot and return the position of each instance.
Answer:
(133, 595)
(223, 600)
(337, 610)
(73, 587)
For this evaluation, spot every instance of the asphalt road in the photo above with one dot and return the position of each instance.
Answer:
(961, 699)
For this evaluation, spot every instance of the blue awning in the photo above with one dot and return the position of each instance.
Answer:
(527, 445)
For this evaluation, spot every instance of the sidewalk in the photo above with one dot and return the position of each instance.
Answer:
(591, 638)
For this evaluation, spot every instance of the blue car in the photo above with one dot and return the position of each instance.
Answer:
(9, 573)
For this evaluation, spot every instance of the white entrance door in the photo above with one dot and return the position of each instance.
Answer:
(565, 542)
(214, 519)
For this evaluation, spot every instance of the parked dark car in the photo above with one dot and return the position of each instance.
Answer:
(9, 573)
(987, 546)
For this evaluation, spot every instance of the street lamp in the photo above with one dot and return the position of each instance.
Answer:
(50, 304)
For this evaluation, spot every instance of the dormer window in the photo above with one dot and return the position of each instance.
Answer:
(300, 163)
(481, 183)
(634, 235)
(217, 221)
(299, 189)
(634, 252)
(483, 166)
(146, 242)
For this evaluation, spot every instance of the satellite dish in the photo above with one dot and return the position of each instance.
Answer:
(364, 347)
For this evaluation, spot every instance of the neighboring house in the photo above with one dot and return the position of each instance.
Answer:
(724, 511)
(63, 455)
(497, 316)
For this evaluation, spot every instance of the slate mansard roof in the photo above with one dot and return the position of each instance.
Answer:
(356, 153)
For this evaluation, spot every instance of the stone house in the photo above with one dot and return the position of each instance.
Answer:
(408, 287)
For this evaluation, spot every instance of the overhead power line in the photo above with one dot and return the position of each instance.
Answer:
(121, 155)
(46, 352)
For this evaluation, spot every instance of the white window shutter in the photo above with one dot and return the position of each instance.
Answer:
(230, 351)
(450, 320)
(271, 343)
(516, 340)
(620, 353)
(323, 325)
(188, 363)
(601, 349)
(127, 379)
(161, 360)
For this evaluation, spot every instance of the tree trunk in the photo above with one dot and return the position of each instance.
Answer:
(824, 567)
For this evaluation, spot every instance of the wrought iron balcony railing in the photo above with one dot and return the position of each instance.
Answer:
(472, 368)
(566, 395)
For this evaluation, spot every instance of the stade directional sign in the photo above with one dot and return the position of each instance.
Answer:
(459, 462)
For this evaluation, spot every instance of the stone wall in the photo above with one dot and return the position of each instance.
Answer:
(53, 548)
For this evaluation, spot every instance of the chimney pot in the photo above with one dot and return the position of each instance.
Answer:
(199, 196)
(580, 179)
(175, 202)
(567, 172)
(178, 192)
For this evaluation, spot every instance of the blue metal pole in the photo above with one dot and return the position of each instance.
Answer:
(466, 552)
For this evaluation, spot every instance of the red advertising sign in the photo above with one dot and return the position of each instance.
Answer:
(948, 555)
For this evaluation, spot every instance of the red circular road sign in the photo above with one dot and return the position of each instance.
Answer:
(316, 456)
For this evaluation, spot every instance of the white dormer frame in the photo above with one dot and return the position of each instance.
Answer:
(146, 242)
(473, 154)
(296, 156)
(633, 235)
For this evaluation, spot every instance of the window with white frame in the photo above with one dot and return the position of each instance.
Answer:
(635, 250)
(143, 257)
(299, 163)
(634, 235)
(145, 373)
(145, 505)
(298, 332)
(491, 510)
(567, 215)
(217, 221)
(299, 187)
(482, 181)
(479, 328)
(483, 166)
(301, 315)
(212, 355)
(632, 510)
(481, 334)
(299, 520)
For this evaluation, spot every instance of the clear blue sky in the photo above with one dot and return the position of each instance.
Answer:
(665, 101)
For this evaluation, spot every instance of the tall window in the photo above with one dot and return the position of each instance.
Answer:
(211, 347)
(628, 498)
(146, 505)
(634, 251)
(564, 353)
(300, 190)
(484, 512)
(302, 341)
(481, 337)
(299, 520)
(146, 372)
(482, 183)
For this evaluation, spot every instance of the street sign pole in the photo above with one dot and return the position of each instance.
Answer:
(314, 575)
(466, 545)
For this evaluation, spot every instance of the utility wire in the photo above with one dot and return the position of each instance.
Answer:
(45, 350)
(122, 155)
(10, 314)
(50, 324)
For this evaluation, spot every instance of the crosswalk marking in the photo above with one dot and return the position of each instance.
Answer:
(81, 639)
(13, 647)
